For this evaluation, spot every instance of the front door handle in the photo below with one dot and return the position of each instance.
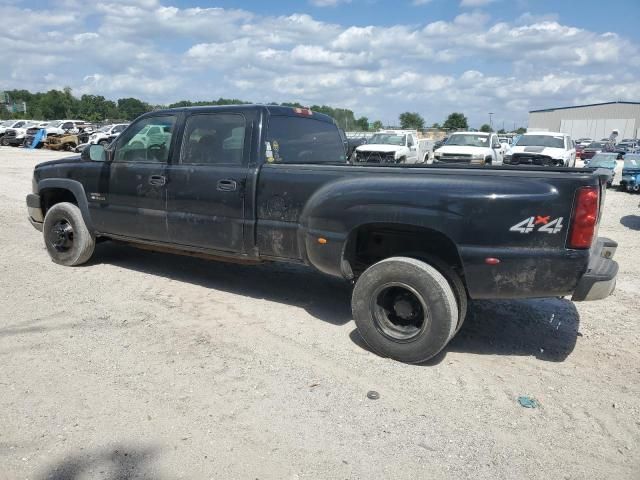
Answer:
(157, 180)
(227, 185)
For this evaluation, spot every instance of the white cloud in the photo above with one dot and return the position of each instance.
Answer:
(163, 53)
(328, 3)
(417, 3)
(475, 3)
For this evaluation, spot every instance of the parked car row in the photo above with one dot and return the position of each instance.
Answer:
(57, 134)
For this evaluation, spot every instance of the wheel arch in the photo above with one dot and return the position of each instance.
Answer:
(56, 190)
(369, 243)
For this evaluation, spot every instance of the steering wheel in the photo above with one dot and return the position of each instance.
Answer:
(156, 151)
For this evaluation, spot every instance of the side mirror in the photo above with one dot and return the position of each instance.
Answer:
(94, 153)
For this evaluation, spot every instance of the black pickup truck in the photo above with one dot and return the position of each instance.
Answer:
(264, 183)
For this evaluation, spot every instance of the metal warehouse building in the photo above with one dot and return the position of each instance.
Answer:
(593, 121)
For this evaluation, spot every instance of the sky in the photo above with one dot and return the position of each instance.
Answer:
(377, 57)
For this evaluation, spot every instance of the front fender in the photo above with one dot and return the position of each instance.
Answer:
(76, 189)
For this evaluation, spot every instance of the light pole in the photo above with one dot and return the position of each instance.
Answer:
(490, 120)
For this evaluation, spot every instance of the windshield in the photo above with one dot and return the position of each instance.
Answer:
(596, 145)
(632, 161)
(541, 141)
(603, 160)
(106, 128)
(384, 139)
(468, 140)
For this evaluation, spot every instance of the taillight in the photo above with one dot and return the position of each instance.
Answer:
(585, 217)
(303, 111)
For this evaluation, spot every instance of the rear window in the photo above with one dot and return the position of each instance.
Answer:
(303, 140)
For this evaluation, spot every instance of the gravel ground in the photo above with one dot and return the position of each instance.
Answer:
(147, 365)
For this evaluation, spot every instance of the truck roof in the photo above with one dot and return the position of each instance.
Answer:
(550, 134)
(268, 109)
(472, 133)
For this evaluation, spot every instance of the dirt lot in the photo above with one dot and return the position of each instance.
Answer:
(146, 365)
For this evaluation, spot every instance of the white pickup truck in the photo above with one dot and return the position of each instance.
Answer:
(554, 149)
(393, 146)
(475, 148)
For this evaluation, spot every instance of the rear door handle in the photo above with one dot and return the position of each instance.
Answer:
(157, 180)
(227, 185)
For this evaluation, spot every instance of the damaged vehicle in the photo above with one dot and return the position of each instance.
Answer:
(391, 146)
(548, 149)
(9, 124)
(15, 136)
(630, 180)
(474, 148)
(34, 135)
(67, 142)
(608, 161)
(252, 184)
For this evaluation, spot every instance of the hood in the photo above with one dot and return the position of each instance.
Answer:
(462, 149)
(62, 161)
(374, 147)
(548, 151)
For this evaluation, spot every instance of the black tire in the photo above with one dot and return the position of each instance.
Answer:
(4, 142)
(405, 309)
(104, 143)
(66, 236)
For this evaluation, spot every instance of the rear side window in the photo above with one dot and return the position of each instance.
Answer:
(303, 140)
(216, 138)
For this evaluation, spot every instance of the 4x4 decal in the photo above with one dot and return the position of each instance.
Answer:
(539, 223)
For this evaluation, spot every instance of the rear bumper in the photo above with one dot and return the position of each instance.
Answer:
(36, 217)
(599, 281)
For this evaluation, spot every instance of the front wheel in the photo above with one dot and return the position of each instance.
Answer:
(66, 236)
(405, 309)
(4, 142)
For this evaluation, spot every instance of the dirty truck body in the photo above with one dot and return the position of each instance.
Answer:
(275, 186)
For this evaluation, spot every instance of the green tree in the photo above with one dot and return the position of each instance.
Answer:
(377, 125)
(501, 131)
(96, 108)
(343, 117)
(362, 124)
(456, 121)
(436, 125)
(485, 127)
(131, 108)
(411, 120)
(521, 130)
(56, 104)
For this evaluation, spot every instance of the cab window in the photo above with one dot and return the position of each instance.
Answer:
(148, 140)
(214, 138)
(303, 140)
